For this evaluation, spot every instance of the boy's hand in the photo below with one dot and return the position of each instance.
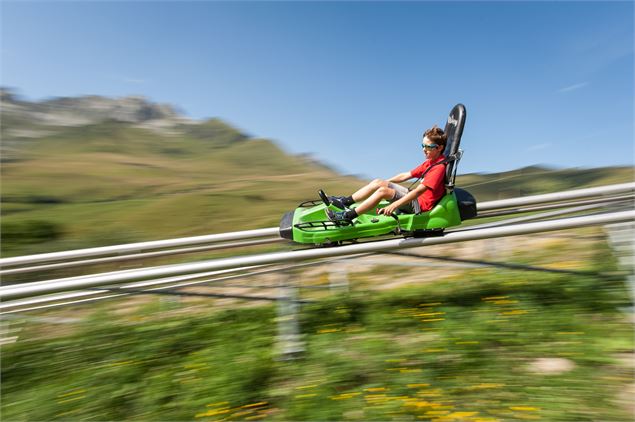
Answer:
(388, 209)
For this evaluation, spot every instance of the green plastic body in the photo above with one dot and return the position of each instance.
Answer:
(444, 214)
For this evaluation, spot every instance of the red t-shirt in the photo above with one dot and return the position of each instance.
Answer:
(434, 181)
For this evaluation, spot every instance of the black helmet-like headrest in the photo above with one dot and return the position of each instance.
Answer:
(454, 129)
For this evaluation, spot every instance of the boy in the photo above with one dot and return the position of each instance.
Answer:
(422, 198)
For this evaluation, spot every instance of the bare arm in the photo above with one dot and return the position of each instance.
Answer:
(401, 177)
(390, 208)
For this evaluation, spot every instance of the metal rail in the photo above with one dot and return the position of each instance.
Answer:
(557, 196)
(118, 277)
(91, 294)
(133, 250)
(138, 247)
(534, 217)
(178, 282)
(552, 206)
(145, 255)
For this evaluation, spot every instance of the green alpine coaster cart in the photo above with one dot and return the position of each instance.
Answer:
(309, 224)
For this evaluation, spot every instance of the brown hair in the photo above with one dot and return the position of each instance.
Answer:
(435, 134)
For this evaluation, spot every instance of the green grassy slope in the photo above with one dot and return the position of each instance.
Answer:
(454, 348)
(112, 182)
(445, 351)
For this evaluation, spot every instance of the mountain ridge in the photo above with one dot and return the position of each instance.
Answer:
(120, 179)
(77, 111)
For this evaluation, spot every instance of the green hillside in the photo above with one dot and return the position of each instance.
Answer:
(114, 181)
(536, 180)
(445, 351)
(110, 182)
(398, 343)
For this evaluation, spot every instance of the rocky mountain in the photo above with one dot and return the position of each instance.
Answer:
(89, 171)
(23, 120)
(26, 119)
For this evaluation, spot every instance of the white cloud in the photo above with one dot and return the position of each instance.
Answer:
(573, 87)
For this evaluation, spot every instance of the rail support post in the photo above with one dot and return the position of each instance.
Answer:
(289, 342)
(620, 238)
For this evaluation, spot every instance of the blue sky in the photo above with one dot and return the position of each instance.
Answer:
(354, 83)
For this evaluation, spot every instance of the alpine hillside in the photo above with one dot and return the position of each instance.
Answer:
(93, 171)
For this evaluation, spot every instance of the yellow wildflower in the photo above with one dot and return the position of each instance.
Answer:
(461, 414)
(212, 412)
(516, 312)
(307, 387)
(425, 314)
(262, 403)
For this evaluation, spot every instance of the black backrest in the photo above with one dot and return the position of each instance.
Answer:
(454, 130)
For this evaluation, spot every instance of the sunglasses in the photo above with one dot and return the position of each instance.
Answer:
(429, 146)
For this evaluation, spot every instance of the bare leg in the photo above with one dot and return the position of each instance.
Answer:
(369, 189)
(374, 199)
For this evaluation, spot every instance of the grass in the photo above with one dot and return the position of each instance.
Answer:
(110, 183)
(461, 348)
(136, 190)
